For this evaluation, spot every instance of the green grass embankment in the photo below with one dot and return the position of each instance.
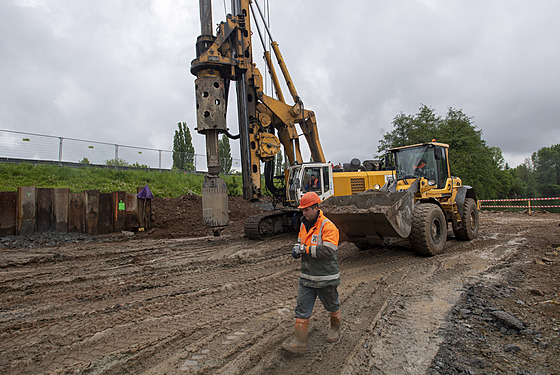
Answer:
(162, 184)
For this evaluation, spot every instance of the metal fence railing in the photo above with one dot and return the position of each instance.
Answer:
(41, 147)
(509, 203)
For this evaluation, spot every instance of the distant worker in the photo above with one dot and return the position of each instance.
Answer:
(319, 276)
(420, 169)
(313, 183)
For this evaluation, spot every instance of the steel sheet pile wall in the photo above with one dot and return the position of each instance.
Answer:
(33, 209)
(8, 204)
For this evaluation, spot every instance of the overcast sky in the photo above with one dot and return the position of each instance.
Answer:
(118, 71)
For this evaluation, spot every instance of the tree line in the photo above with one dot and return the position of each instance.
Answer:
(476, 163)
(470, 157)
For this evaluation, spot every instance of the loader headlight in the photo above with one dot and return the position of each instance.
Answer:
(376, 187)
(431, 182)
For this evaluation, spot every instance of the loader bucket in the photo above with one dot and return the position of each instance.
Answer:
(374, 213)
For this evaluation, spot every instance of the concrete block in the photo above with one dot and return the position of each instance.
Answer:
(26, 208)
(91, 203)
(76, 213)
(61, 200)
(45, 209)
(8, 212)
(105, 216)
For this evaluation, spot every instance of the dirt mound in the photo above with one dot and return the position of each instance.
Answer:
(182, 217)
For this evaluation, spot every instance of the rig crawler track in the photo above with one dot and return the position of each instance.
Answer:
(261, 226)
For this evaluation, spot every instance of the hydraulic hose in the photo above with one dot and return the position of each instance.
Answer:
(277, 192)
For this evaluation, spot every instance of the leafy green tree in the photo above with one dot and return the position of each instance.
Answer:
(224, 150)
(547, 170)
(409, 130)
(470, 158)
(524, 183)
(279, 165)
(183, 150)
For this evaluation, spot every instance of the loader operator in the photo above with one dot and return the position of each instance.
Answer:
(319, 277)
(420, 168)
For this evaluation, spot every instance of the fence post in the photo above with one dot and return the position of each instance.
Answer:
(60, 151)
(529, 204)
(116, 156)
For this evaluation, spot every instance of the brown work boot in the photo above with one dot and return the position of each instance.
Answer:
(298, 343)
(334, 331)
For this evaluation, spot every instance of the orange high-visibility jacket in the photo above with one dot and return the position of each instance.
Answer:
(319, 264)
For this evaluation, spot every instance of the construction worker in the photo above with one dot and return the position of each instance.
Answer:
(420, 168)
(319, 277)
(313, 183)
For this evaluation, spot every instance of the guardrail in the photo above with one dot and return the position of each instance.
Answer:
(19, 145)
(527, 206)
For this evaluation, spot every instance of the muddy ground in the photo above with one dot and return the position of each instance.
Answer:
(180, 300)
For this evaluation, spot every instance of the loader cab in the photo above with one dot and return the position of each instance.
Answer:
(427, 160)
(301, 178)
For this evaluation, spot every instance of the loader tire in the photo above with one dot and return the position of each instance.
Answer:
(468, 229)
(429, 230)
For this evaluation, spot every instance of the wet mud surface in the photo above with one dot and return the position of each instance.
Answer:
(180, 300)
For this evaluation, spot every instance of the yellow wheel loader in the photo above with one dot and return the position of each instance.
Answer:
(417, 203)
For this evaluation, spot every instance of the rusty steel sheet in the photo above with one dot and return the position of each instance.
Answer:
(26, 209)
(119, 210)
(131, 221)
(45, 208)
(61, 202)
(76, 213)
(8, 208)
(105, 216)
(91, 202)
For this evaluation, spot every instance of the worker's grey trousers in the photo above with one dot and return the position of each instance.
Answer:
(307, 296)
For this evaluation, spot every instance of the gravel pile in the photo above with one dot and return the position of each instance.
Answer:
(479, 335)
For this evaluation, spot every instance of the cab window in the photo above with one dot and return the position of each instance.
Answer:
(312, 180)
(326, 181)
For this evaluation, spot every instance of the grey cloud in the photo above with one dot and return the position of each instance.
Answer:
(114, 70)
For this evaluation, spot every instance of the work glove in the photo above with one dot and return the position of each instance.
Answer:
(297, 250)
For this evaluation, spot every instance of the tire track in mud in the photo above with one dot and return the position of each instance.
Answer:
(210, 305)
(264, 355)
(87, 326)
(369, 279)
(61, 277)
(325, 358)
(407, 338)
(105, 334)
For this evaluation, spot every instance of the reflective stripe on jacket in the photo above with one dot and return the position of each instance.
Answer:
(319, 266)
